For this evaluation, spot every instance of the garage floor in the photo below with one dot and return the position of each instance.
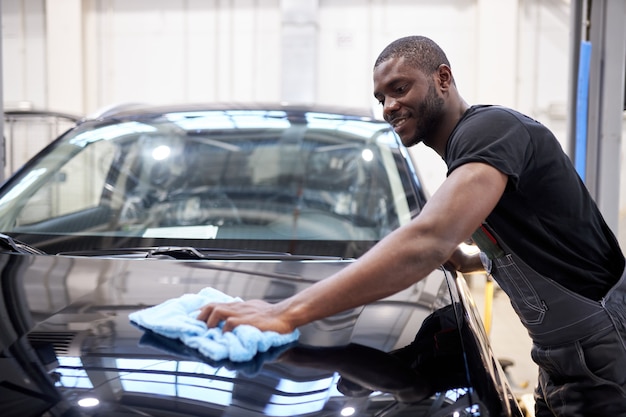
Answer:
(509, 339)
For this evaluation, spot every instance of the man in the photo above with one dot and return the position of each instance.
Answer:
(512, 189)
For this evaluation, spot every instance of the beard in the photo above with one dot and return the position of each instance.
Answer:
(429, 114)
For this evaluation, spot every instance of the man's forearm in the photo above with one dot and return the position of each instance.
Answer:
(393, 265)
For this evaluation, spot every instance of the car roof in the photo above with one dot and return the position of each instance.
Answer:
(126, 110)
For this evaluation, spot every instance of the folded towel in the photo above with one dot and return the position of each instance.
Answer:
(177, 348)
(176, 319)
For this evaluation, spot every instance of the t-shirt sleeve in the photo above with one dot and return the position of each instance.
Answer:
(494, 137)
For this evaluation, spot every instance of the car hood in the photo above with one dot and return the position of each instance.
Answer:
(66, 337)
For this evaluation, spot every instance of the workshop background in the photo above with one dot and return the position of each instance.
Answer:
(79, 56)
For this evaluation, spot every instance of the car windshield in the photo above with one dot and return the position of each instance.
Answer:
(302, 182)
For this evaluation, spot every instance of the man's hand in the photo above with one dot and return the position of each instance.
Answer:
(257, 313)
(464, 261)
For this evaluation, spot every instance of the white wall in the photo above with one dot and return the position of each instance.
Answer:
(24, 52)
(80, 55)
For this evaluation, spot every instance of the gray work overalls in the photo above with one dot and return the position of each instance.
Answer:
(578, 343)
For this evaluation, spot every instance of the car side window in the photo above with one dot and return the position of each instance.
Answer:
(75, 187)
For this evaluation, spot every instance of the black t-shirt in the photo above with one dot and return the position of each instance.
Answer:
(546, 215)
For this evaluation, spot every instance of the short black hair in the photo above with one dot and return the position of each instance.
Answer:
(419, 51)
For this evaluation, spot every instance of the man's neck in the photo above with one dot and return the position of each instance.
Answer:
(439, 141)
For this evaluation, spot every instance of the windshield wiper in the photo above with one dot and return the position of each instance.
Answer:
(192, 253)
(15, 246)
(188, 252)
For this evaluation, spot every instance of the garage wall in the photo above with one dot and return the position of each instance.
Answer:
(24, 52)
(80, 55)
(181, 51)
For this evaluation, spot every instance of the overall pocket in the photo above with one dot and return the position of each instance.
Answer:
(524, 299)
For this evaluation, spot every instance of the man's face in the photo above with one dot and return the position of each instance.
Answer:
(410, 100)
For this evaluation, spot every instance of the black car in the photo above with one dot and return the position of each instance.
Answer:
(141, 205)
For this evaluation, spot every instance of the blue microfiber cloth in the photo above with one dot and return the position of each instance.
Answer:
(176, 319)
(177, 348)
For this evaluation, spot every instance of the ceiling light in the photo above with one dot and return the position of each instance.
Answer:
(88, 402)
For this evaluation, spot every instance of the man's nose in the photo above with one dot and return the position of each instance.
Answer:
(390, 107)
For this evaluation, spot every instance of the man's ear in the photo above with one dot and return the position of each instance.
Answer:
(444, 76)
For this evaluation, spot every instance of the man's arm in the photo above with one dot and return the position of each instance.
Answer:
(402, 258)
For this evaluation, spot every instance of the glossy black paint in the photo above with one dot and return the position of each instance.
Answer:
(69, 316)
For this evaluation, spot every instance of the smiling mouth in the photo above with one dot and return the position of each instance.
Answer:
(398, 123)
